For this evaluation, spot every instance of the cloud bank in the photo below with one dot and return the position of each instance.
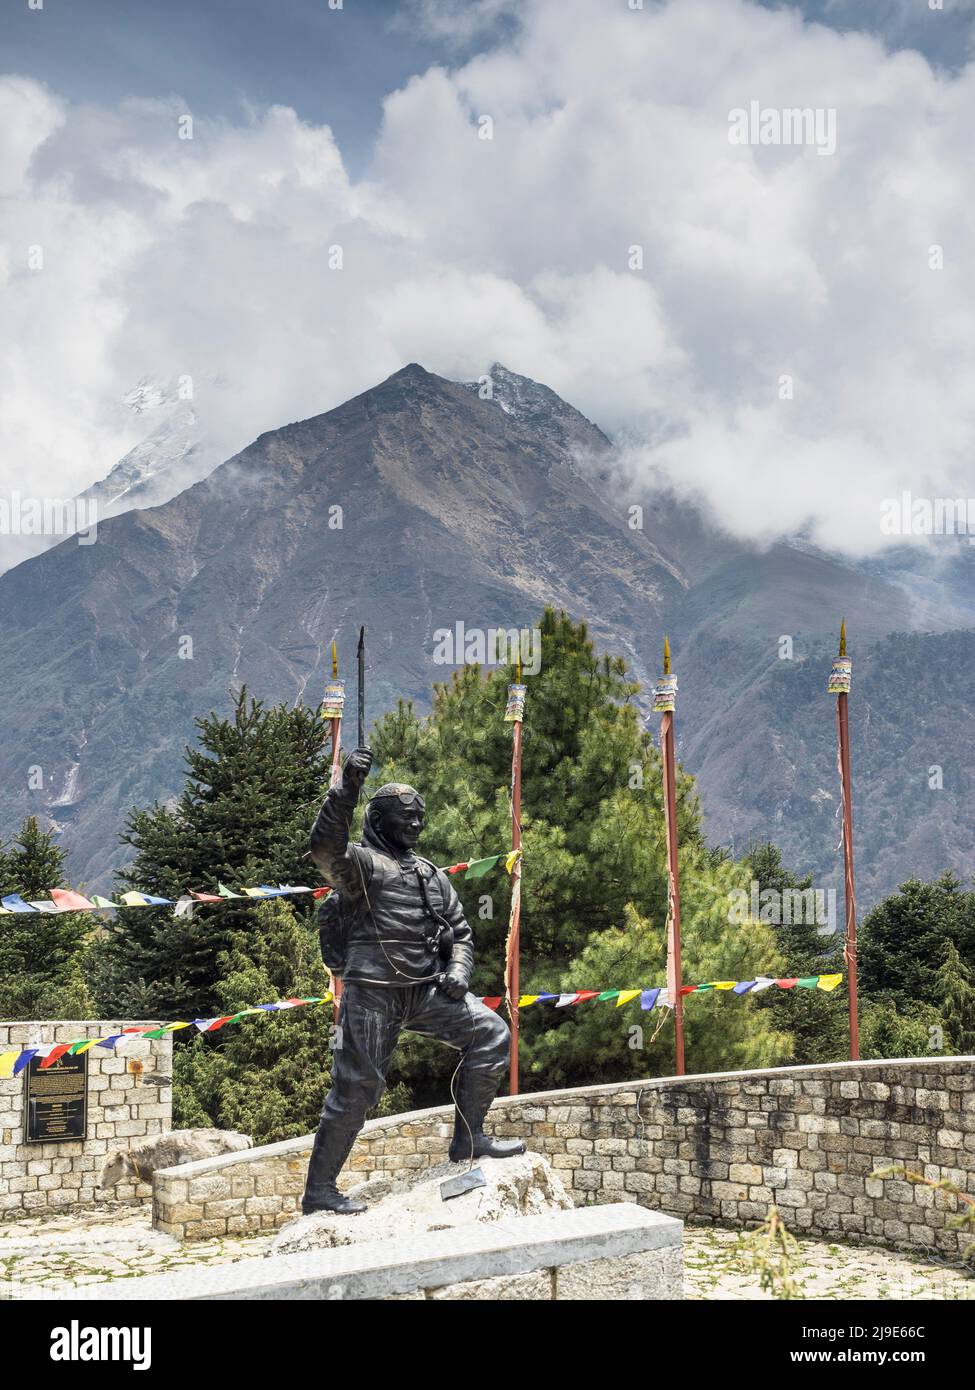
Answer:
(788, 337)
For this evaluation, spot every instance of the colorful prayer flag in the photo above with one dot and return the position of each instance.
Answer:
(70, 902)
(479, 867)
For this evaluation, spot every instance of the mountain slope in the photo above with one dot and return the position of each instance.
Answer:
(173, 453)
(452, 511)
(422, 504)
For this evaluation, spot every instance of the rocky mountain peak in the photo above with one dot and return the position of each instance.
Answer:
(538, 407)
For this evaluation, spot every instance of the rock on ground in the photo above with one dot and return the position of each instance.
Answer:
(525, 1185)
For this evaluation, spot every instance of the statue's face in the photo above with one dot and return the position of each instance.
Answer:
(401, 826)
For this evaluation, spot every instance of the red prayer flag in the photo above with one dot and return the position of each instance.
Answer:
(492, 1001)
(787, 984)
(70, 902)
(456, 868)
(207, 897)
(54, 1054)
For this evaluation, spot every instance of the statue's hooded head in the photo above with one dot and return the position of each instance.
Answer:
(394, 819)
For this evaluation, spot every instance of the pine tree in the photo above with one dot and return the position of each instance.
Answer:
(955, 991)
(892, 1029)
(902, 940)
(268, 1074)
(593, 836)
(36, 864)
(253, 785)
(817, 1021)
(41, 954)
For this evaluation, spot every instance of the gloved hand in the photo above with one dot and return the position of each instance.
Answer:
(356, 770)
(453, 983)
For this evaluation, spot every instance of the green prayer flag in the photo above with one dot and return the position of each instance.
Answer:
(479, 867)
(608, 994)
(808, 982)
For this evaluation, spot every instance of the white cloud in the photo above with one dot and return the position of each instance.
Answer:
(455, 22)
(610, 130)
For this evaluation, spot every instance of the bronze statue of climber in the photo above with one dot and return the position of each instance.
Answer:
(395, 929)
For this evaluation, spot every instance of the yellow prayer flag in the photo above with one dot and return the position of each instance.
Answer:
(626, 995)
(511, 859)
(86, 1047)
(7, 1060)
(526, 999)
(723, 984)
(133, 899)
(828, 982)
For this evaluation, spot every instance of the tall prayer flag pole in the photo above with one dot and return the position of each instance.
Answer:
(514, 714)
(840, 679)
(361, 657)
(664, 704)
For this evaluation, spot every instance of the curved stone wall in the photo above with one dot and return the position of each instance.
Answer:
(720, 1148)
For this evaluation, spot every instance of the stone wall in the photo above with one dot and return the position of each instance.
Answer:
(121, 1111)
(720, 1148)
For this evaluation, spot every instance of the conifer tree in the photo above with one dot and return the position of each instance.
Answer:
(902, 941)
(41, 954)
(593, 836)
(817, 1021)
(955, 994)
(266, 1075)
(36, 864)
(892, 1029)
(253, 785)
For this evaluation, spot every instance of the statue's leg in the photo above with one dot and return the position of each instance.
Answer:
(368, 1028)
(483, 1039)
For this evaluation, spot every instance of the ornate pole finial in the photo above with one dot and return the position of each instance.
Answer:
(841, 672)
(335, 661)
(665, 691)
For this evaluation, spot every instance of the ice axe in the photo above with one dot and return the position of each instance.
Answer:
(361, 655)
